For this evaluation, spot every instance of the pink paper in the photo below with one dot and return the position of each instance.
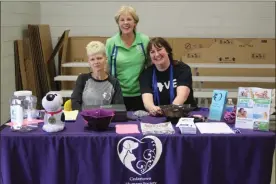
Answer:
(127, 129)
(27, 122)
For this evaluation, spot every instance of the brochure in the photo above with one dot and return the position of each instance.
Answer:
(160, 128)
(253, 108)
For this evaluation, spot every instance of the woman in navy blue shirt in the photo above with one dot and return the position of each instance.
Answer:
(166, 81)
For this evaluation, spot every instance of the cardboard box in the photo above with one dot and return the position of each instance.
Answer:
(240, 50)
(261, 51)
(191, 49)
(199, 50)
(77, 47)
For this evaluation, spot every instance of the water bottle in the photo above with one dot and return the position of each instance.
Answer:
(230, 105)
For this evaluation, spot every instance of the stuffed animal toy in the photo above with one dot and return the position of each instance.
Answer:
(54, 117)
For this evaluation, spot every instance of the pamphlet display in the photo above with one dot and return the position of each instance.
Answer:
(253, 108)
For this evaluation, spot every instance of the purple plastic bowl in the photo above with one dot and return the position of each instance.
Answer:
(98, 119)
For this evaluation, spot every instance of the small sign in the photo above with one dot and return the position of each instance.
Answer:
(217, 107)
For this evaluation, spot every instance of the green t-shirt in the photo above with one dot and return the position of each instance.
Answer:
(129, 62)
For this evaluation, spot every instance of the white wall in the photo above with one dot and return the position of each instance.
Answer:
(168, 19)
(14, 18)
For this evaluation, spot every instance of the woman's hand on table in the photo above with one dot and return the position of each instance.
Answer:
(155, 110)
(149, 105)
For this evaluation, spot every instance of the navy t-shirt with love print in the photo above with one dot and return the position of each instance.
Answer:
(182, 76)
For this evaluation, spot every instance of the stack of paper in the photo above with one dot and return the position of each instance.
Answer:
(214, 128)
(186, 126)
(127, 129)
(160, 128)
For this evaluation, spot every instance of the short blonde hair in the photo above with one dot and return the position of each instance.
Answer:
(129, 10)
(95, 47)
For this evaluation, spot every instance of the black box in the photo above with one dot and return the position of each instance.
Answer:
(120, 112)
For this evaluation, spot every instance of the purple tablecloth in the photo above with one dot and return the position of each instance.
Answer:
(79, 156)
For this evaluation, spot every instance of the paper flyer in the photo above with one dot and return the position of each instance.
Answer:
(160, 128)
(253, 108)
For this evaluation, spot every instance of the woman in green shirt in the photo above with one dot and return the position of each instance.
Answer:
(126, 52)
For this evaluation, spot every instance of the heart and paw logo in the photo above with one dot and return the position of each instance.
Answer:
(139, 156)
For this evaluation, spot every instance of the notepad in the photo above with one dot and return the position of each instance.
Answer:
(214, 128)
(71, 115)
(127, 129)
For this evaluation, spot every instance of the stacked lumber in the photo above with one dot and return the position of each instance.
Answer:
(34, 61)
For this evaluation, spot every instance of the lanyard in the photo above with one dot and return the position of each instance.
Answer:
(155, 87)
(113, 59)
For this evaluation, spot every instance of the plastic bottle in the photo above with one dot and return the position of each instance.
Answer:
(27, 102)
(17, 111)
(230, 105)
